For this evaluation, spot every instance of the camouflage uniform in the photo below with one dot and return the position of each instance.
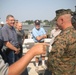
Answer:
(62, 58)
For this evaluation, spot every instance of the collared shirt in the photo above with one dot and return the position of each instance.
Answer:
(9, 34)
(3, 67)
(62, 58)
(36, 33)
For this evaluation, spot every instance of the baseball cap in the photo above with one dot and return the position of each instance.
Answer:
(37, 22)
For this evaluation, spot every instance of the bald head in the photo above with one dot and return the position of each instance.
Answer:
(19, 26)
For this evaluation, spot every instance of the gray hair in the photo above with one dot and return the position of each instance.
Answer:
(9, 16)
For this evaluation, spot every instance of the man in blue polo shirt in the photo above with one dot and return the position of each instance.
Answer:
(38, 32)
(38, 35)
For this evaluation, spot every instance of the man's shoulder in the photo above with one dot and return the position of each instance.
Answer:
(34, 29)
(71, 31)
(5, 26)
(22, 31)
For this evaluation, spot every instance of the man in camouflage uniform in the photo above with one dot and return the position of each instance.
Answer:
(62, 58)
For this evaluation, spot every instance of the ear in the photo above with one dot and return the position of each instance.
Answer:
(62, 20)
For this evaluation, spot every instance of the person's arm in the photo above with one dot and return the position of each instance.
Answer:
(3, 67)
(41, 37)
(9, 45)
(18, 67)
(36, 35)
(23, 37)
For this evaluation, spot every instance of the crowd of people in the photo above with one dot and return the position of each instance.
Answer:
(61, 58)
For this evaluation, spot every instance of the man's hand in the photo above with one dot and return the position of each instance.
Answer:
(17, 50)
(39, 48)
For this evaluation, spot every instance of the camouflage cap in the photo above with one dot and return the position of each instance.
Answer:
(62, 12)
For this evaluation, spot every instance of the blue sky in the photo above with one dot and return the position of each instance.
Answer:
(33, 9)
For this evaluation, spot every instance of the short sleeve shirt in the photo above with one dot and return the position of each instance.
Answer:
(9, 34)
(36, 33)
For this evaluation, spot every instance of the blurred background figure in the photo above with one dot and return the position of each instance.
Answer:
(20, 37)
(1, 24)
(15, 23)
(30, 34)
(55, 32)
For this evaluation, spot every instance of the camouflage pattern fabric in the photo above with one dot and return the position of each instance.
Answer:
(62, 58)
